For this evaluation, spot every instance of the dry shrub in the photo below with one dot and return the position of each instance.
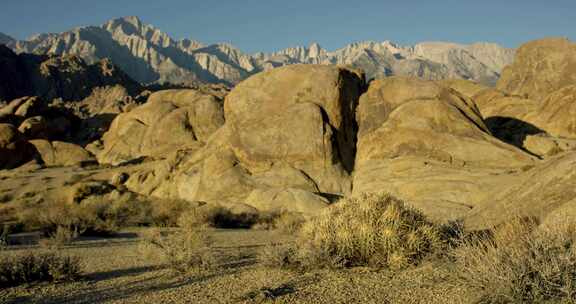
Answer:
(184, 251)
(521, 263)
(368, 230)
(36, 267)
(166, 213)
(61, 237)
(91, 217)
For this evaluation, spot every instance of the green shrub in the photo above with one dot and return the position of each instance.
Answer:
(521, 263)
(36, 267)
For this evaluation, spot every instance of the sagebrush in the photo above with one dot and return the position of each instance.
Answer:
(37, 267)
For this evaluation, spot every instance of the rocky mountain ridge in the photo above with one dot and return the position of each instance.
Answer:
(149, 55)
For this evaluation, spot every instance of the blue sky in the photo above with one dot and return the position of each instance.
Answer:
(268, 25)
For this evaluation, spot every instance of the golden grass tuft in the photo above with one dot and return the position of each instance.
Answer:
(184, 251)
(520, 263)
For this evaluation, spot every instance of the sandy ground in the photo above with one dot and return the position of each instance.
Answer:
(115, 271)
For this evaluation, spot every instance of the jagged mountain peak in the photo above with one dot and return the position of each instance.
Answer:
(130, 22)
(148, 54)
(6, 40)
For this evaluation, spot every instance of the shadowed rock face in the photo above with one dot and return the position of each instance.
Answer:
(50, 77)
(14, 149)
(14, 81)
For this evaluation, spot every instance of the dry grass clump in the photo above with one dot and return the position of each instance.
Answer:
(375, 230)
(36, 267)
(278, 255)
(184, 251)
(286, 222)
(521, 263)
(187, 249)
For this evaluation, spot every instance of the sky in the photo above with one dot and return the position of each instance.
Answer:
(270, 25)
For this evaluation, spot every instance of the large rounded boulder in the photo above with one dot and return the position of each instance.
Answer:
(428, 144)
(58, 153)
(170, 120)
(546, 192)
(300, 115)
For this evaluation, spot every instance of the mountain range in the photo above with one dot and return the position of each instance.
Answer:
(149, 55)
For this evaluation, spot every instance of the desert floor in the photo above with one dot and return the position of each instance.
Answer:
(115, 271)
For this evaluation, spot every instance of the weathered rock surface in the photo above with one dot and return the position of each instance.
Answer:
(304, 117)
(549, 189)
(544, 145)
(286, 200)
(540, 68)
(557, 113)
(60, 153)
(429, 145)
(289, 128)
(170, 120)
(465, 87)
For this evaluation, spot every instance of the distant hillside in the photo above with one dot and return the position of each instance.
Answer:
(149, 55)
(49, 76)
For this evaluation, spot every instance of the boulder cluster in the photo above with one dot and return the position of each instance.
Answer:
(298, 138)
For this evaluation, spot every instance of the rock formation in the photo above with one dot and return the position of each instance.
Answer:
(286, 129)
(50, 77)
(540, 68)
(170, 120)
(61, 153)
(428, 144)
(298, 137)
